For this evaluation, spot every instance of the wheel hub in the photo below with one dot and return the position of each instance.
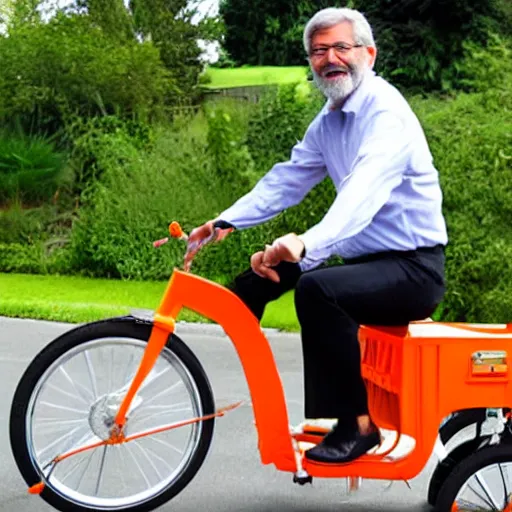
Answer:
(103, 413)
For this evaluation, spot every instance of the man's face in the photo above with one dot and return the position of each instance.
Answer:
(338, 71)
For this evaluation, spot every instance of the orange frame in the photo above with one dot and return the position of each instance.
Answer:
(415, 377)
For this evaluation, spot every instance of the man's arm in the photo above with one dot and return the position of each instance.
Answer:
(285, 185)
(377, 170)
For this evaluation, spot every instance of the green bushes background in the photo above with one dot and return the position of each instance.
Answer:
(192, 170)
(102, 146)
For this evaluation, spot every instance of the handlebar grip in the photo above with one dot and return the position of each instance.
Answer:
(176, 232)
(160, 242)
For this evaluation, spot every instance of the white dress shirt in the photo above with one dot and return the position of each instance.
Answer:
(375, 152)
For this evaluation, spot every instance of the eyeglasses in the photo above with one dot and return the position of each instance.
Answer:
(339, 49)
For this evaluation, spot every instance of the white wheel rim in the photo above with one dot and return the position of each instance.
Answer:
(65, 406)
(487, 490)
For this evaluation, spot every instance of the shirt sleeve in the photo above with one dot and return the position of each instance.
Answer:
(285, 185)
(378, 169)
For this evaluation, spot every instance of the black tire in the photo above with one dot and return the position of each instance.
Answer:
(127, 327)
(491, 454)
(447, 465)
(459, 421)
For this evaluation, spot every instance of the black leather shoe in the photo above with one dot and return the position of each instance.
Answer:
(338, 451)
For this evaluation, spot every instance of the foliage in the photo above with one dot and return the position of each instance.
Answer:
(70, 67)
(134, 201)
(174, 28)
(31, 168)
(471, 139)
(111, 16)
(92, 140)
(230, 156)
(266, 32)
(35, 239)
(421, 42)
(29, 259)
(488, 67)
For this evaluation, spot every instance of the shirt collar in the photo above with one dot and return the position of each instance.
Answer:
(355, 100)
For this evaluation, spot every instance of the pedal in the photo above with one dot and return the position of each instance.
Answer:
(302, 479)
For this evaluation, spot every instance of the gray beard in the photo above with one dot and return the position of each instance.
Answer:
(337, 91)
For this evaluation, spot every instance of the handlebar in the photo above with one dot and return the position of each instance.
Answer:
(175, 231)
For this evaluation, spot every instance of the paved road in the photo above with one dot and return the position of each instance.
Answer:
(232, 478)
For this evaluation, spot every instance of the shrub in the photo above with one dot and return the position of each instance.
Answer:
(470, 138)
(31, 168)
(69, 66)
(135, 199)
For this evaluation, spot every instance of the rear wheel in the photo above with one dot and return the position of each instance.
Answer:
(68, 398)
(481, 482)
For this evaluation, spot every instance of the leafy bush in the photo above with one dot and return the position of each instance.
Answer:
(31, 168)
(488, 67)
(22, 258)
(180, 174)
(225, 145)
(471, 139)
(35, 240)
(135, 199)
(69, 66)
(96, 141)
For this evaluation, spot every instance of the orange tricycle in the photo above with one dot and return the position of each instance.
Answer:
(127, 392)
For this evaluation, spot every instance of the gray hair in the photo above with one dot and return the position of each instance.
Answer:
(327, 18)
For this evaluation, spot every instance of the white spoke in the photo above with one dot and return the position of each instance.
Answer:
(163, 392)
(129, 371)
(487, 491)
(141, 471)
(100, 472)
(148, 458)
(165, 443)
(89, 459)
(139, 420)
(70, 395)
(158, 457)
(505, 486)
(111, 370)
(87, 398)
(152, 377)
(64, 408)
(70, 472)
(57, 441)
(90, 370)
(58, 426)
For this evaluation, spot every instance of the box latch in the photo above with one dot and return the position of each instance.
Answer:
(490, 363)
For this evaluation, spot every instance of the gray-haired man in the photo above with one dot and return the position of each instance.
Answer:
(386, 223)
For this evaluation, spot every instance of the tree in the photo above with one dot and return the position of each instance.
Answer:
(421, 42)
(266, 32)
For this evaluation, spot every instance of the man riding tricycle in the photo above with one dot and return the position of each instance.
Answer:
(373, 362)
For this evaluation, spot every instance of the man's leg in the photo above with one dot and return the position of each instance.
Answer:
(256, 292)
(331, 303)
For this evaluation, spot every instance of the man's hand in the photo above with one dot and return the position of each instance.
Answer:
(199, 237)
(287, 248)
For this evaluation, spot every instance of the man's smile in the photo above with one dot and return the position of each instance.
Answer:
(333, 73)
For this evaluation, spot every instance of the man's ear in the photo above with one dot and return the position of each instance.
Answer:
(372, 55)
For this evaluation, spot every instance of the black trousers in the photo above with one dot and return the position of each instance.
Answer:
(391, 288)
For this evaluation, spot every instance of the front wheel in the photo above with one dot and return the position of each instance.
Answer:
(68, 398)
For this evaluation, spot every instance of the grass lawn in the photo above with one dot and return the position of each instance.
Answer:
(80, 299)
(255, 75)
